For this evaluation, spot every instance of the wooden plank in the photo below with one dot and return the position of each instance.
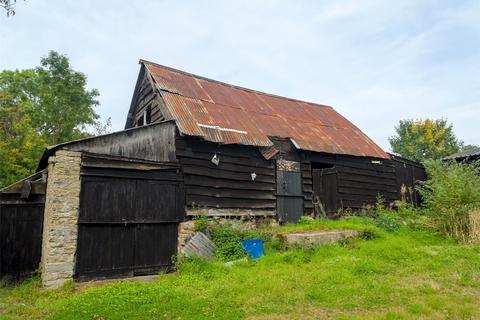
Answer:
(229, 193)
(227, 166)
(215, 173)
(366, 165)
(226, 157)
(360, 191)
(366, 185)
(191, 144)
(131, 174)
(367, 172)
(366, 179)
(355, 197)
(207, 201)
(36, 187)
(191, 180)
(21, 228)
(218, 212)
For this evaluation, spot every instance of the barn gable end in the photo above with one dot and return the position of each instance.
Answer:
(147, 105)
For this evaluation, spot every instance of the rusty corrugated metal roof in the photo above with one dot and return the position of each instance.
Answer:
(228, 114)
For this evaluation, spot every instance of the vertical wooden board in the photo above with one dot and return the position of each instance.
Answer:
(289, 209)
(105, 250)
(155, 245)
(289, 191)
(325, 187)
(330, 191)
(107, 199)
(129, 225)
(156, 201)
(291, 183)
(20, 238)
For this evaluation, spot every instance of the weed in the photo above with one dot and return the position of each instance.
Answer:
(450, 194)
(408, 274)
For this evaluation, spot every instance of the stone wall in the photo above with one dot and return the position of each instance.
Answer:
(185, 232)
(61, 217)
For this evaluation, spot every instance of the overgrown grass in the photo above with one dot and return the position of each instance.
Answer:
(451, 194)
(408, 273)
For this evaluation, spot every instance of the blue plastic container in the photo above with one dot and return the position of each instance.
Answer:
(254, 248)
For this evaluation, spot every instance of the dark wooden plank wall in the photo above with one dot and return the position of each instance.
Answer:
(409, 173)
(146, 96)
(130, 210)
(21, 224)
(359, 180)
(228, 185)
(155, 143)
(307, 186)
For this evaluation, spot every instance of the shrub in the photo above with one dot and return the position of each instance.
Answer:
(200, 223)
(228, 242)
(369, 234)
(227, 238)
(306, 220)
(450, 194)
(389, 221)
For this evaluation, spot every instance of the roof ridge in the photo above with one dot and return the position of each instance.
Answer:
(233, 85)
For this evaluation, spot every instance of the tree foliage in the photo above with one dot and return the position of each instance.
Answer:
(8, 5)
(43, 106)
(420, 140)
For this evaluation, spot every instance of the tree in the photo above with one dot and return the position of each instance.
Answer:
(8, 5)
(20, 143)
(420, 140)
(43, 106)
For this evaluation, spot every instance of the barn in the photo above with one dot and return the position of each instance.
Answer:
(120, 204)
(468, 156)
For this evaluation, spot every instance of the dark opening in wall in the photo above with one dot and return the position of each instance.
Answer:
(148, 115)
(140, 122)
(322, 165)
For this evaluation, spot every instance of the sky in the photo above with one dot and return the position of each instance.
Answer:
(375, 61)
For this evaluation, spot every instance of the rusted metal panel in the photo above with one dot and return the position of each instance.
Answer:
(224, 113)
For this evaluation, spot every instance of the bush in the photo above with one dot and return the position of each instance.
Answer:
(391, 219)
(228, 242)
(451, 192)
(227, 238)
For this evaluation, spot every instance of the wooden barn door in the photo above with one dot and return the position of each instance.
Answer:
(127, 226)
(289, 191)
(325, 190)
(21, 226)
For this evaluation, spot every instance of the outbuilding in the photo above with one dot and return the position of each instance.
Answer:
(120, 204)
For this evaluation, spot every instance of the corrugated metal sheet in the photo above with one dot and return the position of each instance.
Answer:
(473, 153)
(228, 114)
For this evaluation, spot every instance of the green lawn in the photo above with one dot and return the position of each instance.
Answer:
(404, 274)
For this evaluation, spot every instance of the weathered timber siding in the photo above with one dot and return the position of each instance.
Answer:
(154, 143)
(307, 186)
(130, 210)
(409, 173)
(145, 96)
(230, 184)
(21, 222)
(359, 180)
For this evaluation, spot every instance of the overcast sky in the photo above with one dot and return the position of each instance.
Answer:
(375, 62)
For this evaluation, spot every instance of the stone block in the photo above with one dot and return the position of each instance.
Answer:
(315, 238)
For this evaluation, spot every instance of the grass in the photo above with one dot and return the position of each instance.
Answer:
(407, 274)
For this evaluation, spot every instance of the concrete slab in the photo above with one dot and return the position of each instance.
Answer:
(316, 238)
